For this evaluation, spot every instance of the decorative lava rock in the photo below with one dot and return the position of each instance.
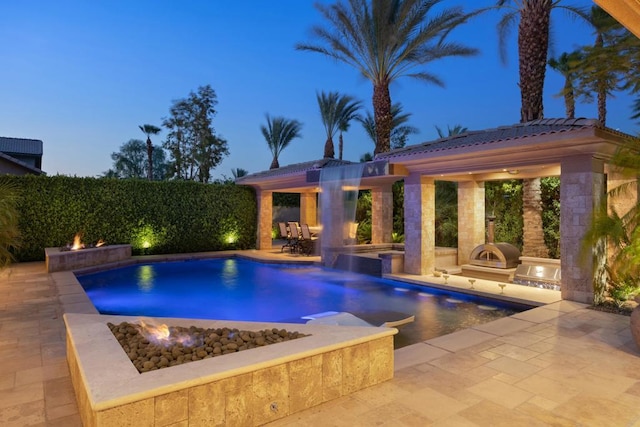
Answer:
(156, 347)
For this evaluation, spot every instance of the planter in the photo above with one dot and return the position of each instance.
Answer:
(635, 323)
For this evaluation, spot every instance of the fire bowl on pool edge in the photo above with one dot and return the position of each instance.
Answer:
(251, 387)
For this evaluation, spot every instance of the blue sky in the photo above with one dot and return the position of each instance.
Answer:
(82, 75)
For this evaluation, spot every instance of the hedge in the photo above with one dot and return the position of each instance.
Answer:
(154, 217)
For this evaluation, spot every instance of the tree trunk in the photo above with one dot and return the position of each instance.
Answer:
(329, 151)
(274, 163)
(383, 118)
(533, 45)
(602, 89)
(533, 231)
(150, 156)
(340, 145)
(569, 101)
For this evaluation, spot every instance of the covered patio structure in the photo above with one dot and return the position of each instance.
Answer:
(576, 150)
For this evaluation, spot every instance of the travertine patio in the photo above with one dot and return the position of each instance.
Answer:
(561, 364)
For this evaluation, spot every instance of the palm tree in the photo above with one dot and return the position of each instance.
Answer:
(533, 45)
(348, 113)
(451, 131)
(566, 65)
(336, 111)
(399, 131)
(619, 276)
(604, 65)
(150, 130)
(278, 133)
(239, 173)
(385, 40)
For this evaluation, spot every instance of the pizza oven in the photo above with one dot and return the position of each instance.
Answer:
(495, 255)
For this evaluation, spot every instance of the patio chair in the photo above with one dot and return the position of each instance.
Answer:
(295, 236)
(284, 234)
(307, 243)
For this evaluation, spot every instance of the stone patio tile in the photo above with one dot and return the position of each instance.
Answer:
(522, 339)
(503, 394)
(596, 411)
(504, 326)
(487, 413)
(69, 421)
(22, 394)
(513, 367)
(546, 416)
(538, 315)
(461, 339)
(459, 363)
(25, 414)
(20, 362)
(515, 352)
(416, 354)
(548, 388)
(433, 404)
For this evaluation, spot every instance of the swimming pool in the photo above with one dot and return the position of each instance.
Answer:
(239, 289)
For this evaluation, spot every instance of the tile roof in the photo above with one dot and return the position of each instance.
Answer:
(503, 133)
(294, 169)
(20, 146)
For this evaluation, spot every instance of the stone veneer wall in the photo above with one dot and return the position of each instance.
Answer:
(471, 218)
(57, 260)
(252, 398)
(382, 214)
(265, 219)
(533, 233)
(419, 224)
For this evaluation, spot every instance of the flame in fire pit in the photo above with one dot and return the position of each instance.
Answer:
(100, 243)
(77, 243)
(162, 335)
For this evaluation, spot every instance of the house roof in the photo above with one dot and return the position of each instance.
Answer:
(504, 133)
(294, 169)
(21, 146)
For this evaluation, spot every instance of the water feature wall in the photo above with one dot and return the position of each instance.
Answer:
(338, 199)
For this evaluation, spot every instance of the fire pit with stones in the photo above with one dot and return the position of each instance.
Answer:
(152, 347)
(249, 387)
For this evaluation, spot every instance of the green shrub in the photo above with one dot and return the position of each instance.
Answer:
(154, 217)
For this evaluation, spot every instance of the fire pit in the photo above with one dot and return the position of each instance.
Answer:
(152, 347)
(80, 255)
(251, 387)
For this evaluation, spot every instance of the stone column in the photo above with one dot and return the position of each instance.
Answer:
(265, 219)
(581, 191)
(533, 234)
(471, 218)
(419, 224)
(308, 208)
(382, 214)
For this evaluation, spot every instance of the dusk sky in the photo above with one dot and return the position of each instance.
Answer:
(82, 75)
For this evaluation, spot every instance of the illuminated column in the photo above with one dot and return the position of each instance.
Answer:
(419, 224)
(471, 221)
(308, 208)
(382, 214)
(265, 219)
(581, 191)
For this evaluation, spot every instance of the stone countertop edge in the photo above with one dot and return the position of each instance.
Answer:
(112, 380)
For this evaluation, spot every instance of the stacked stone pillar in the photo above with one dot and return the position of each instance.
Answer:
(381, 214)
(265, 219)
(419, 224)
(471, 218)
(308, 208)
(582, 187)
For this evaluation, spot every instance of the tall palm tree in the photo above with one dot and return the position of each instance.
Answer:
(278, 133)
(150, 130)
(239, 172)
(534, 20)
(385, 40)
(399, 130)
(336, 111)
(348, 113)
(566, 65)
(604, 65)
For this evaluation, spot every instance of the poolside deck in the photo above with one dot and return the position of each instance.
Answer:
(559, 364)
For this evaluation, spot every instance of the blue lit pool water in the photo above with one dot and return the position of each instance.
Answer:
(238, 289)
